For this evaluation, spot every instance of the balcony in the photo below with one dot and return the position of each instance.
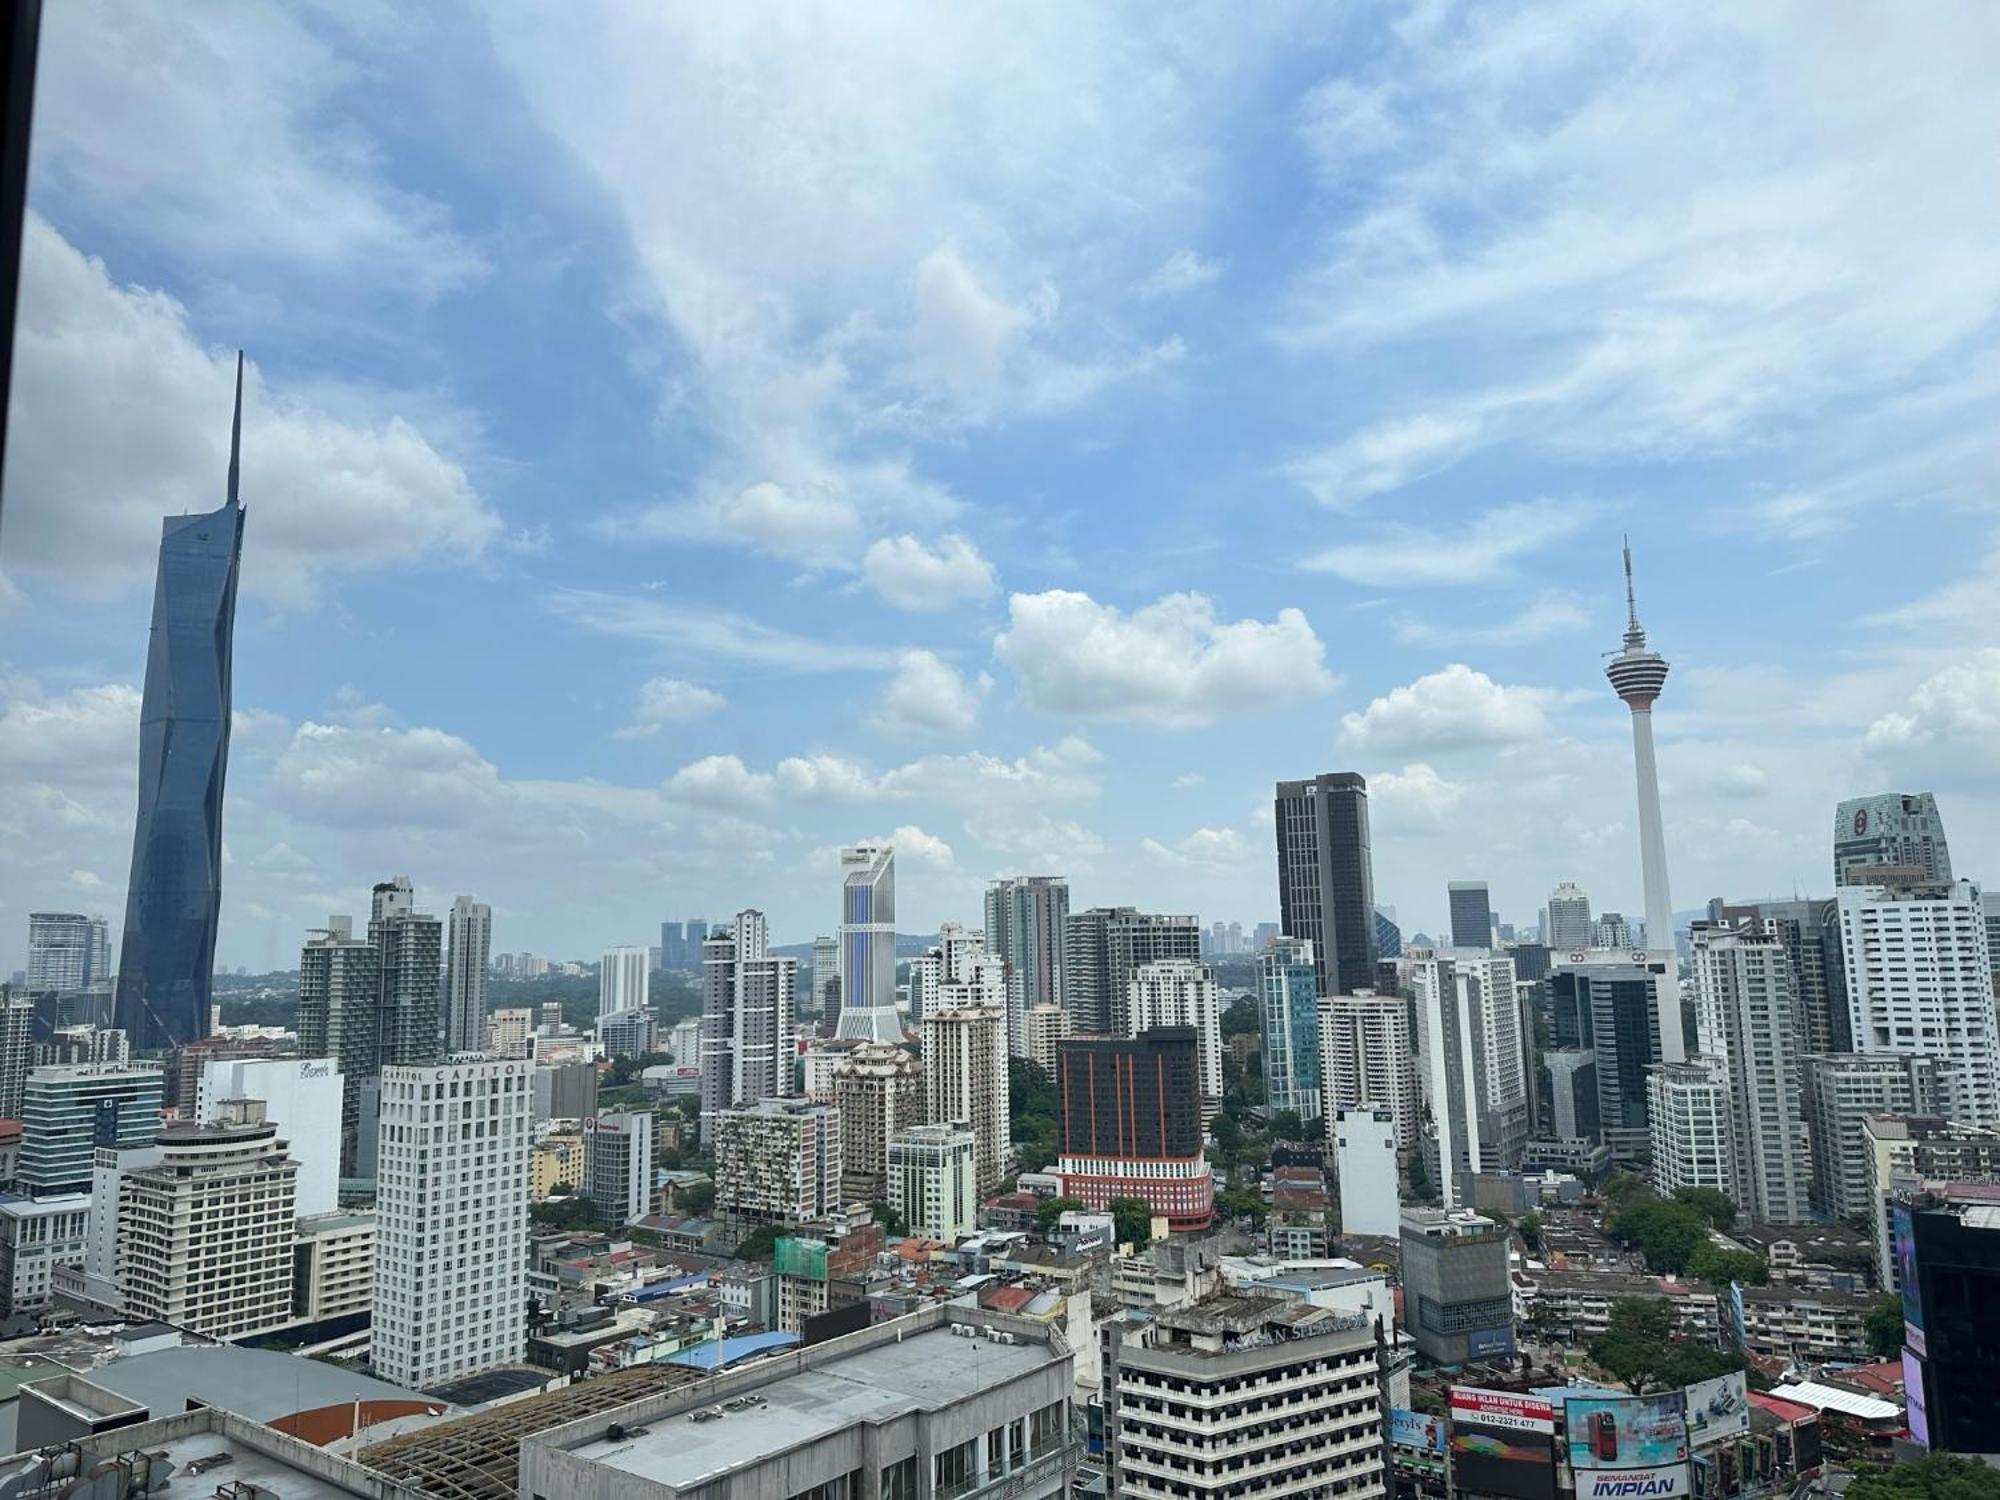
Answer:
(1046, 1464)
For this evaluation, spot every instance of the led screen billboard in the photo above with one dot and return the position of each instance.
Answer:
(1502, 1444)
(1628, 1447)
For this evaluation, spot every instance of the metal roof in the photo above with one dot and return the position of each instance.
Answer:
(1832, 1398)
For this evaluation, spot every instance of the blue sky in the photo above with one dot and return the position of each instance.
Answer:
(683, 439)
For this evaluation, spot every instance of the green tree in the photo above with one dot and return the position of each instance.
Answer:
(1530, 1226)
(1942, 1476)
(1720, 1267)
(1634, 1343)
(1666, 1232)
(573, 1212)
(1246, 1203)
(1132, 1221)
(1621, 1187)
(1885, 1328)
(1034, 1114)
(1241, 1017)
(695, 1198)
(1710, 1203)
(1420, 1179)
(760, 1242)
(894, 1225)
(1051, 1210)
(1288, 1125)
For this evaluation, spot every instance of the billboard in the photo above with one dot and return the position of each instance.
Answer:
(1732, 1317)
(1902, 1234)
(1718, 1410)
(1915, 1398)
(1503, 1444)
(1629, 1447)
(1484, 1343)
(1415, 1429)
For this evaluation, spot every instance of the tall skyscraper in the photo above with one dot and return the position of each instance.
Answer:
(747, 1031)
(879, 1090)
(452, 1205)
(1131, 1125)
(1471, 914)
(960, 971)
(1025, 918)
(826, 976)
(1568, 927)
(1637, 675)
(68, 952)
(1103, 947)
(167, 960)
(1747, 1016)
(1615, 1007)
(623, 980)
(618, 1164)
(17, 1050)
(340, 983)
(1898, 830)
(409, 947)
(1388, 936)
(1182, 992)
(1288, 1006)
(465, 975)
(1693, 1137)
(1810, 931)
(1326, 877)
(868, 944)
(965, 1079)
(1472, 1065)
(1920, 979)
(1367, 1058)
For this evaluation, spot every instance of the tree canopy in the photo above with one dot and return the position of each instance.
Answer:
(1034, 1114)
(1942, 1476)
(1132, 1219)
(1885, 1328)
(894, 1225)
(1050, 1210)
(1639, 1347)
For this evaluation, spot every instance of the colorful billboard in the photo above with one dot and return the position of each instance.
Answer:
(1718, 1410)
(1916, 1412)
(1416, 1429)
(1629, 1447)
(1503, 1444)
(1902, 1234)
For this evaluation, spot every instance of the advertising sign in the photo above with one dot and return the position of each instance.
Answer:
(1902, 1235)
(1916, 1414)
(1718, 1410)
(1629, 1447)
(1503, 1444)
(1415, 1429)
(1732, 1316)
(1484, 1343)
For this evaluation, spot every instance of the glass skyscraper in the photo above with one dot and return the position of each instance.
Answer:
(1326, 879)
(165, 967)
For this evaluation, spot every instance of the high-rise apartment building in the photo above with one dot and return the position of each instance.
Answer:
(68, 1112)
(1025, 919)
(1637, 676)
(452, 1204)
(167, 959)
(626, 1033)
(68, 951)
(1894, 836)
(1326, 877)
(466, 967)
(826, 976)
(965, 1079)
(1629, 1014)
(1567, 926)
(17, 1032)
(1470, 1040)
(340, 993)
(1103, 947)
(302, 1099)
(777, 1161)
(960, 971)
(747, 1035)
(878, 1089)
(1810, 931)
(1288, 1007)
(1693, 1137)
(1132, 1125)
(1471, 914)
(409, 947)
(1747, 1015)
(1920, 979)
(868, 944)
(1458, 1302)
(618, 1165)
(934, 1180)
(1046, 1028)
(624, 980)
(1841, 1089)
(1368, 1057)
(1182, 992)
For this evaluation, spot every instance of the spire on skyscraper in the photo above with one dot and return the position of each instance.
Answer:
(236, 436)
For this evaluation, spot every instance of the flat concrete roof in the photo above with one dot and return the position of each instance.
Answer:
(261, 1384)
(924, 1372)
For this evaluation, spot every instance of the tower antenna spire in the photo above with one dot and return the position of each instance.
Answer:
(237, 437)
(1631, 604)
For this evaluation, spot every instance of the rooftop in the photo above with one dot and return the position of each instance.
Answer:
(1831, 1398)
(226, 1448)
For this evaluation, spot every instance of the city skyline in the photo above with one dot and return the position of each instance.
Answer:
(714, 606)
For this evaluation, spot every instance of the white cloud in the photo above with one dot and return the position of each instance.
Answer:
(121, 417)
(89, 736)
(1549, 614)
(1386, 456)
(668, 700)
(1404, 556)
(1037, 840)
(1205, 848)
(1187, 780)
(1063, 772)
(929, 696)
(1951, 721)
(694, 631)
(1180, 272)
(964, 333)
(1455, 708)
(1742, 779)
(911, 575)
(720, 781)
(1171, 663)
(1414, 797)
(914, 846)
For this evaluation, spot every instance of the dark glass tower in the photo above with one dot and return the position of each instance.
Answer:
(1326, 877)
(165, 967)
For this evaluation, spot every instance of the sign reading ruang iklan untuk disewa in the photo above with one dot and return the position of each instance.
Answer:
(1503, 1409)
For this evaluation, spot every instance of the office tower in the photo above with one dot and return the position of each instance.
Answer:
(508, 1031)
(1920, 979)
(68, 1112)
(465, 975)
(83, 1044)
(826, 975)
(452, 1227)
(934, 1180)
(302, 1099)
(1951, 1320)
(673, 946)
(1367, 1056)
(1364, 1144)
(39, 1236)
(1471, 914)
(1193, 1393)
(1572, 1094)
(207, 1228)
(1458, 1303)
(68, 952)
(1132, 1125)
(618, 1165)
(340, 982)
(1629, 1014)
(627, 1033)
(1568, 925)
(623, 980)
(1103, 947)
(1747, 1016)
(1637, 675)
(879, 1090)
(1841, 1089)
(1046, 1028)
(1612, 931)
(1025, 919)
(409, 947)
(1891, 832)
(1470, 1039)
(1182, 992)
(747, 1036)
(1288, 1005)
(17, 1025)
(1388, 936)
(167, 958)
(1810, 931)
(777, 1161)
(868, 944)
(1326, 881)
(1693, 1139)
(564, 1091)
(965, 1078)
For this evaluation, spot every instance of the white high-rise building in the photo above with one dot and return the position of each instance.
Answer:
(469, 935)
(1841, 1090)
(959, 971)
(868, 944)
(1047, 1028)
(1470, 1039)
(1687, 1107)
(1920, 979)
(302, 1099)
(1364, 1143)
(68, 951)
(1367, 1056)
(1569, 926)
(452, 1200)
(1637, 676)
(1748, 1016)
(1182, 992)
(965, 1079)
(624, 978)
(934, 1180)
(748, 1037)
(618, 1165)
(826, 976)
